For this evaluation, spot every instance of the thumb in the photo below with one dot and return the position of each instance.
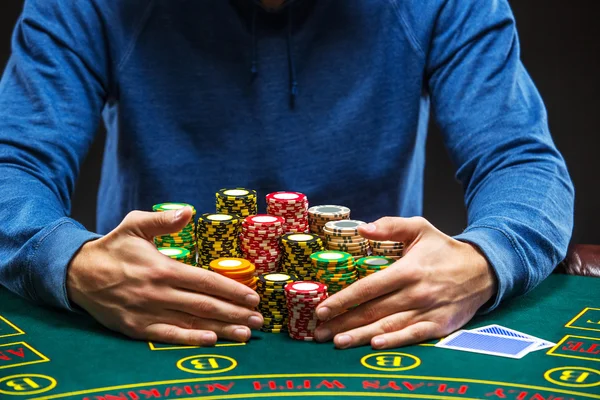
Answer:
(396, 229)
(150, 224)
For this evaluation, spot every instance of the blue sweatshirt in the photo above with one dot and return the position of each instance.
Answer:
(330, 97)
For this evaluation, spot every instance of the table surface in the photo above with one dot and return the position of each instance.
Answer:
(50, 354)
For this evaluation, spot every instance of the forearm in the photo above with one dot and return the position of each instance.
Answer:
(521, 218)
(37, 240)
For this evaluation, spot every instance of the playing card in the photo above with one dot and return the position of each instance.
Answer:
(503, 331)
(487, 343)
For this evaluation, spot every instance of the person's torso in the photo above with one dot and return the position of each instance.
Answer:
(188, 119)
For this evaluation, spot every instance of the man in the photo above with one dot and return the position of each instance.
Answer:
(330, 98)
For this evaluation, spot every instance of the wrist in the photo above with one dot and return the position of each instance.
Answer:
(487, 281)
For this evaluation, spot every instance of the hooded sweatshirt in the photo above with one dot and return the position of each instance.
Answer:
(330, 98)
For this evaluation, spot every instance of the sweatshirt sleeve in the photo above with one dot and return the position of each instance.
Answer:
(51, 97)
(518, 193)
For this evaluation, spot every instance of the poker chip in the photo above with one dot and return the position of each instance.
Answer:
(335, 269)
(302, 299)
(186, 238)
(271, 289)
(343, 236)
(292, 207)
(296, 249)
(218, 236)
(259, 241)
(387, 248)
(238, 201)
(178, 254)
(318, 216)
(369, 265)
(238, 269)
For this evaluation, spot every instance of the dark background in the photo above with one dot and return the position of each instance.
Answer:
(560, 48)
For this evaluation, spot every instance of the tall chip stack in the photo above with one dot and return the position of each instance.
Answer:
(387, 248)
(343, 236)
(293, 207)
(178, 254)
(218, 236)
(296, 249)
(335, 269)
(302, 299)
(238, 201)
(186, 238)
(272, 306)
(369, 265)
(318, 216)
(260, 241)
(238, 269)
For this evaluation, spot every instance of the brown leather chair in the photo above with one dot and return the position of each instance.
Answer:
(582, 259)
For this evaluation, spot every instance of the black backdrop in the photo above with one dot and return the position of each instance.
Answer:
(560, 48)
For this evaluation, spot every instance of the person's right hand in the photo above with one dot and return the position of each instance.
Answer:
(124, 282)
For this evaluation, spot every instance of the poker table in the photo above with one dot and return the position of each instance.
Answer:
(51, 354)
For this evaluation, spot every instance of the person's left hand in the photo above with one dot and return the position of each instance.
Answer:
(433, 290)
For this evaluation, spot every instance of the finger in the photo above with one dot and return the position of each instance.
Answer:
(412, 334)
(363, 335)
(393, 278)
(172, 334)
(362, 315)
(238, 333)
(396, 229)
(147, 225)
(208, 307)
(199, 280)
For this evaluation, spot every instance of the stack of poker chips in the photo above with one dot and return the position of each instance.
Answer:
(238, 269)
(296, 249)
(293, 207)
(260, 241)
(302, 298)
(343, 236)
(272, 306)
(179, 254)
(387, 248)
(218, 236)
(186, 238)
(239, 201)
(369, 265)
(335, 269)
(318, 216)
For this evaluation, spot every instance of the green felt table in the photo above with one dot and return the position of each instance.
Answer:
(49, 354)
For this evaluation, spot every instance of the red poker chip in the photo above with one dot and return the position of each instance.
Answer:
(305, 287)
(264, 261)
(263, 220)
(260, 245)
(289, 206)
(286, 197)
(257, 232)
(261, 230)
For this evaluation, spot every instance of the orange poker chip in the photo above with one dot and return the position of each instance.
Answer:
(230, 265)
(240, 275)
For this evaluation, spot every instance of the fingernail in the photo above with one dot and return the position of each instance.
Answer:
(323, 335)
(255, 322)
(241, 334)
(178, 213)
(343, 340)
(252, 299)
(323, 313)
(208, 338)
(378, 342)
(370, 227)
